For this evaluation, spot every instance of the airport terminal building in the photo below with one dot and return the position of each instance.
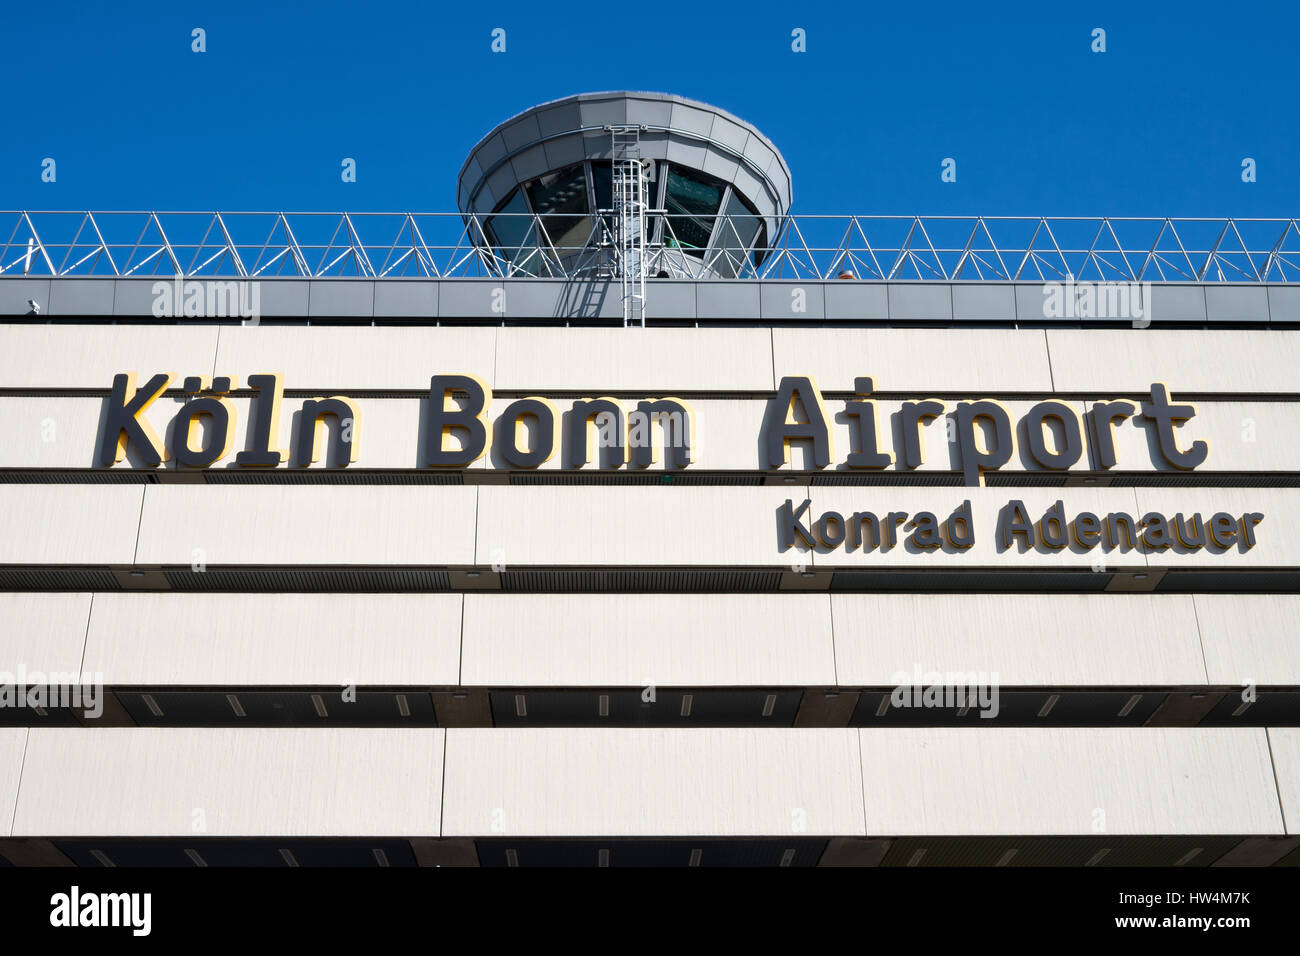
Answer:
(622, 517)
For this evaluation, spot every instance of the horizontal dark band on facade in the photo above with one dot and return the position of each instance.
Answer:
(682, 478)
(1217, 581)
(739, 395)
(1101, 850)
(652, 322)
(667, 707)
(421, 579)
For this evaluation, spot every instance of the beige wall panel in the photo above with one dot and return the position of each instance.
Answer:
(1189, 361)
(635, 640)
(920, 361)
(308, 524)
(41, 631)
(629, 525)
(246, 781)
(1040, 781)
(68, 524)
(356, 357)
(1243, 436)
(1277, 545)
(642, 782)
(88, 356)
(1250, 638)
(1018, 639)
(13, 741)
(275, 639)
(655, 361)
(1285, 745)
(49, 431)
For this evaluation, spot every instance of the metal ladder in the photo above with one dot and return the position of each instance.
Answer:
(629, 219)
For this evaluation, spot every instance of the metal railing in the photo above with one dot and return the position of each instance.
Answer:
(453, 245)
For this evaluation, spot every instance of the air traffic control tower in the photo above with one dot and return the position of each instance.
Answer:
(665, 186)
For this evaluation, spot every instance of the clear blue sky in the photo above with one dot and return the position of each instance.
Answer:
(1039, 125)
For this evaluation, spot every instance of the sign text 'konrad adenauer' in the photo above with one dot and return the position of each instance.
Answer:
(458, 430)
(1017, 528)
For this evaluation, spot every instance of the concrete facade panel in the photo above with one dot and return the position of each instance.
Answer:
(1236, 303)
(350, 358)
(307, 525)
(637, 526)
(1276, 544)
(43, 632)
(1176, 303)
(1243, 436)
(78, 297)
(275, 639)
(1284, 743)
(88, 356)
(920, 301)
(1140, 781)
(632, 782)
(13, 744)
(650, 361)
(1189, 361)
(413, 298)
(68, 524)
(17, 294)
(990, 301)
(1284, 304)
(916, 360)
(1250, 639)
(629, 640)
(245, 782)
(1085, 640)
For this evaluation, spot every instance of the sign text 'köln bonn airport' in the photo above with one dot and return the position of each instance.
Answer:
(459, 431)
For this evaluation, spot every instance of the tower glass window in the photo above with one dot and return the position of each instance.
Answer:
(513, 234)
(737, 234)
(560, 199)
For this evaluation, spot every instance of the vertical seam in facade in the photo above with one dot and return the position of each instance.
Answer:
(835, 663)
(496, 348)
(1196, 616)
(139, 522)
(862, 784)
(442, 789)
(460, 659)
(771, 351)
(1277, 784)
(1051, 375)
(476, 497)
(85, 638)
(22, 765)
(216, 351)
(1137, 514)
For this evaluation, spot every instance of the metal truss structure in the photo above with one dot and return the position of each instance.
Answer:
(452, 245)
